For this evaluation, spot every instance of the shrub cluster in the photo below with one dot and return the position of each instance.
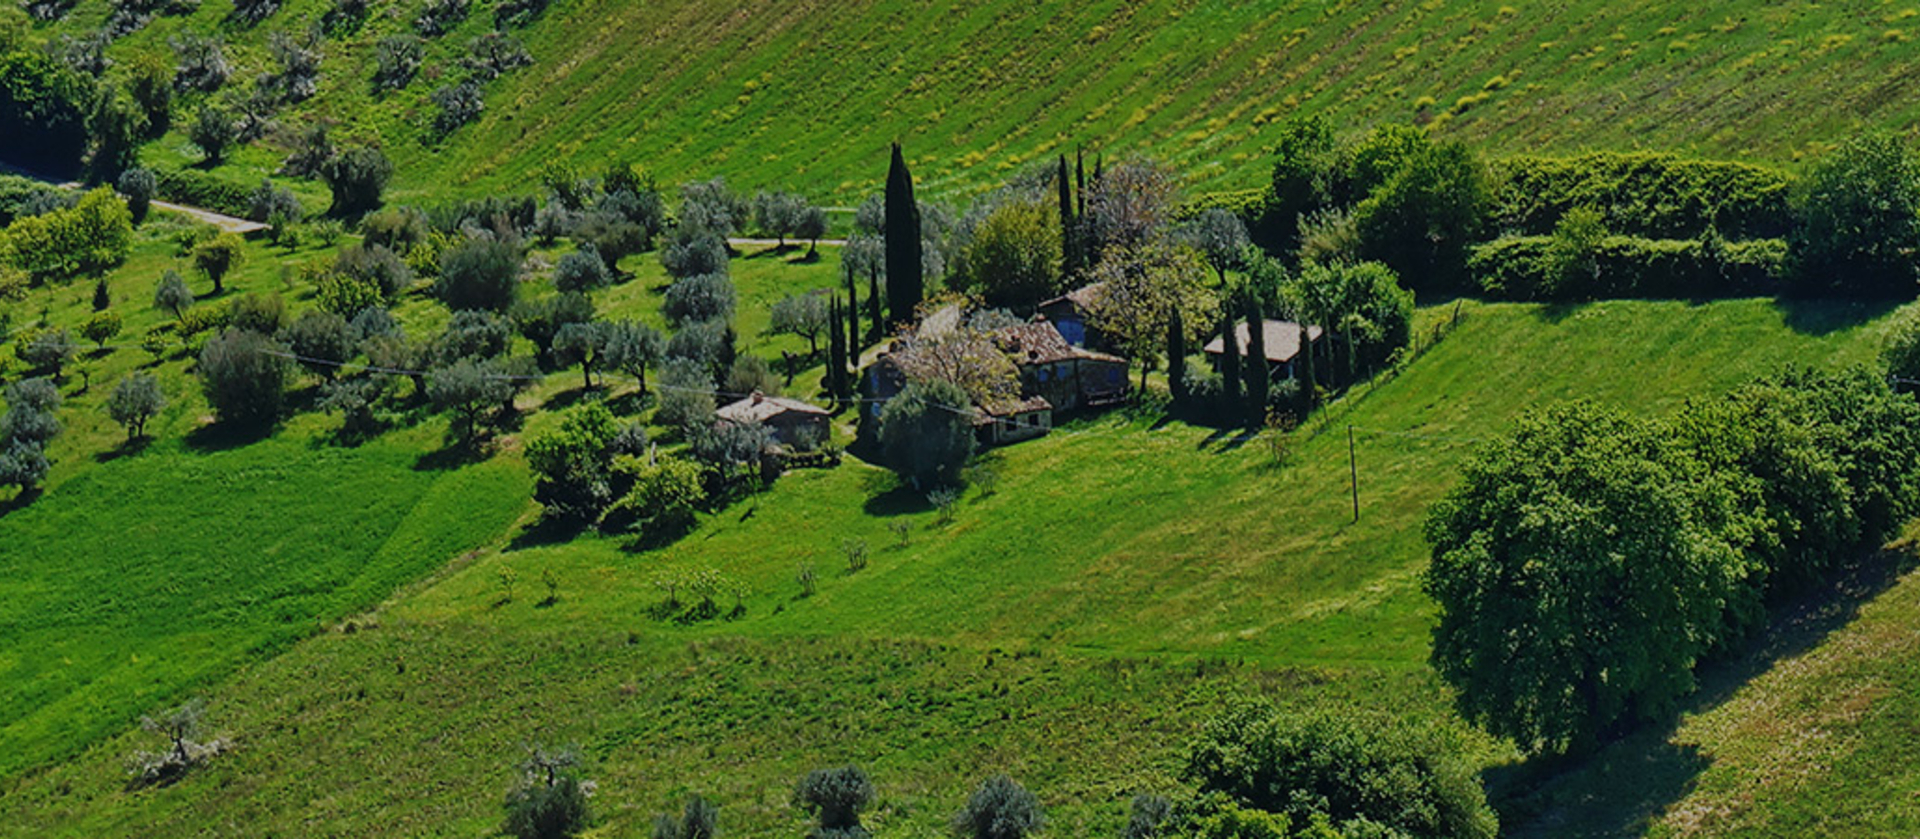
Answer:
(1349, 771)
(202, 189)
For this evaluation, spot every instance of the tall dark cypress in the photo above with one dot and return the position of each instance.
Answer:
(903, 241)
(1230, 360)
(836, 355)
(874, 319)
(1257, 373)
(1307, 394)
(853, 310)
(1177, 357)
(1068, 250)
(1080, 180)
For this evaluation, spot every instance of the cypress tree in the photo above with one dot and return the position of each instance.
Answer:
(903, 241)
(1068, 248)
(874, 318)
(1257, 372)
(1176, 357)
(836, 355)
(1080, 180)
(853, 310)
(1229, 360)
(1307, 395)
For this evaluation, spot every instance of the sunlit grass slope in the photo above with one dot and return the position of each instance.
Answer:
(1060, 628)
(807, 95)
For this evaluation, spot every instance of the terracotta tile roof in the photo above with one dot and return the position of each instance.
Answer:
(759, 408)
(1082, 297)
(1283, 340)
(985, 414)
(1040, 343)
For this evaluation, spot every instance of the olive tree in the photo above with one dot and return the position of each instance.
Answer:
(699, 298)
(217, 257)
(472, 390)
(999, 809)
(244, 375)
(549, 796)
(134, 401)
(804, 315)
(582, 270)
(926, 433)
(356, 177)
(479, 273)
(835, 797)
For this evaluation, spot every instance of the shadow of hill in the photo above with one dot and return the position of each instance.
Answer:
(1621, 789)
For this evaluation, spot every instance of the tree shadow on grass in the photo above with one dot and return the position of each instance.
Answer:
(547, 531)
(20, 500)
(887, 497)
(1621, 789)
(127, 448)
(452, 456)
(225, 435)
(1555, 313)
(568, 398)
(1824, 317)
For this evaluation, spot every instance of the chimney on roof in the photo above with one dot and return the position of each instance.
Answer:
(757, 396)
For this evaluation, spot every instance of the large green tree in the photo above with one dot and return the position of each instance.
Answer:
(1422, 219)
(1857, 221)
(1581, 569)
(1014, 258)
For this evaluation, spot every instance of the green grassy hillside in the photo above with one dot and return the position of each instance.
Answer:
(807, 95)
(1072, 627)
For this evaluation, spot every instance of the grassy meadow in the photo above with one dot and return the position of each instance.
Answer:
(807, 96)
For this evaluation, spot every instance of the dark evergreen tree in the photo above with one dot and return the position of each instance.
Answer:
(1068, 239)
(1307, 384)
(1229, 358)
(101, 297)
(853, 308)
(1080, 181)
(1257, 373)
(1176, 356)
(837, 356)
(875, 321)
(903, 241)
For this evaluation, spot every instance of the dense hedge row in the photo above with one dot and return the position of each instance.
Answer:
(1533, 268)
(1646, 194)
(199, 189)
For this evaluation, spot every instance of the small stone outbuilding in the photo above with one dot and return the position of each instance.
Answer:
(791, 421)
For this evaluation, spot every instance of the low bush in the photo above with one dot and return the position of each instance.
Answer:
(1341, 766)
(201, 189)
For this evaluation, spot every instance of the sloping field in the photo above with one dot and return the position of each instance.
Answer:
(807, 95)
(1073, 627)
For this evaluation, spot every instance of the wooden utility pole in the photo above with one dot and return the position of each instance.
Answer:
(1353, 475)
